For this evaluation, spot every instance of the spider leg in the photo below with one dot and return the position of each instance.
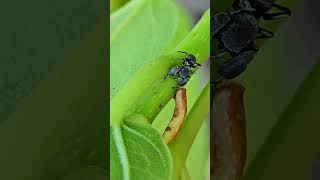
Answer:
(283, 12)
(218, 22)
(220, 54)
(190, 73)
(236, 65)
(215, 65)
(183, 52)
(165, 77)
(216, 81)
(195, 65)
(241, 6)
(264, 33)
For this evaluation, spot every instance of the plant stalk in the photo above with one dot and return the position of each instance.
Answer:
(181, 145)
(148, 91)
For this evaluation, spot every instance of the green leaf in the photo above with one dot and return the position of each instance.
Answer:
(147, 91)
(138, 152)
(52, 81)
(56, 128)
(184, 27)
(116, 4)
(139, 32)
(198, 158)
(185, 175)
(31, 50)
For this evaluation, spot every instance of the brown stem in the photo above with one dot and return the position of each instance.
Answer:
(178, 117)
(228, 135)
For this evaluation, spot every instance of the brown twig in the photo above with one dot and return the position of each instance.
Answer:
(178, 117)
(228, 135)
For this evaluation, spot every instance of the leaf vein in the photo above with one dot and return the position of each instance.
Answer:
(124, 161)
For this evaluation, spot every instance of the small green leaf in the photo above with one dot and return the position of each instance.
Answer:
(137, 151)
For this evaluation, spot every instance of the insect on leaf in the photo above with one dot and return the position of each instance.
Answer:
(139, 33)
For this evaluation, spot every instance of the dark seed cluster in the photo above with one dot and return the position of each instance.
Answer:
(234, 33)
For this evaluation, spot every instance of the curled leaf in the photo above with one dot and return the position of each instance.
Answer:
(178, 117)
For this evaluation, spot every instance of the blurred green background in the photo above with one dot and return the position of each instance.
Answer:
(53, 88)
(280, 98)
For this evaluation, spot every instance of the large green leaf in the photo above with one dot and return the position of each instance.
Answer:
(37, 39)
(139, 32)
(138, 152)
(52, 68)
(48, 134)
